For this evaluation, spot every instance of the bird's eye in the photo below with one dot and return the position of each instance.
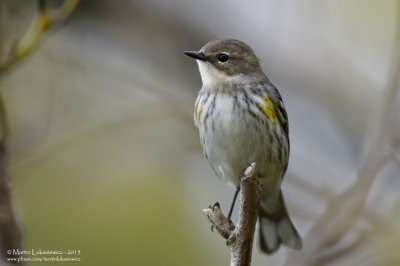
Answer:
(223, 58)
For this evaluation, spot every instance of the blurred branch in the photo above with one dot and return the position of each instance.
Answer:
(344, 210)
(311, 189)
(343, 251)
(11, 236)
(11, 233)
(240, 238)
(45, 20)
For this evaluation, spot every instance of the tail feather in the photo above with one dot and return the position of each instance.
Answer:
(277, 228)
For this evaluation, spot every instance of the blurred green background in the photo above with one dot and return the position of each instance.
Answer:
(105, 157)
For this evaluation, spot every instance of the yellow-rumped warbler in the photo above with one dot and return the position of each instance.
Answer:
(241, 119)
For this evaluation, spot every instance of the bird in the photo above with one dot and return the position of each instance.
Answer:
(241, 119)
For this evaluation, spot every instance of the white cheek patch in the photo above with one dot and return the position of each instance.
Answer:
(210, 75)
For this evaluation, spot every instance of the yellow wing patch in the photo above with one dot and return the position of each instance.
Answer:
(269, 109)
(197, 109)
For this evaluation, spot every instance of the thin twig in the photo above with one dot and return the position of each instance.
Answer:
(42, 23)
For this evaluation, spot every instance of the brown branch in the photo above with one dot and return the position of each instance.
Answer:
(218, 220)
(240, 238)
(11, 235)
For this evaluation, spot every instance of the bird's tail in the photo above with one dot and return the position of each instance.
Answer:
(277, 228)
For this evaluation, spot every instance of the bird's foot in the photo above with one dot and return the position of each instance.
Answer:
(216, 205)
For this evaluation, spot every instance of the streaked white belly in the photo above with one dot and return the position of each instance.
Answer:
(232, 139)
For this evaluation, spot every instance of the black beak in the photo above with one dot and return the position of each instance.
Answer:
(196, 55)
